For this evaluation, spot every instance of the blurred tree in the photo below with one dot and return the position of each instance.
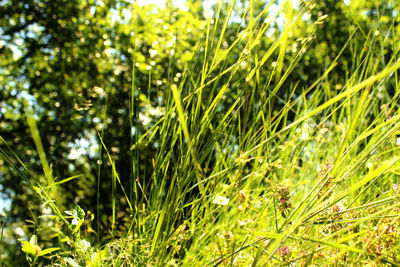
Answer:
(72, 60)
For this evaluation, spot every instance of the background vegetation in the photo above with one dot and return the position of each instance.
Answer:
(234, 133)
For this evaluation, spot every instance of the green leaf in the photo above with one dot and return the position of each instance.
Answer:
(33, 240)
(47, 251)
(30, 249)
(78, 217)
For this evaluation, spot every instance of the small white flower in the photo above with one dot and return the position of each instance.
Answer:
(144, 119)
(157, 111)
(305, 132)
(83, 245)
(244, 222)
(396, 187)
(153, 53)
(221, 200)
(225, 235)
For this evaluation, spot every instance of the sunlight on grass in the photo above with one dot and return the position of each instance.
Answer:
(271, 174)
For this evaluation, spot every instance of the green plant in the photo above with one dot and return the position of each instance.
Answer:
(33, 251)
(227, 156)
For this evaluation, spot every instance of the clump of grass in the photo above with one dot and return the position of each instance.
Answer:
(250, 187)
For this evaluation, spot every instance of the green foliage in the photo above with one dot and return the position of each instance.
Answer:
(78, 216)
(33, 251)
(266, 134)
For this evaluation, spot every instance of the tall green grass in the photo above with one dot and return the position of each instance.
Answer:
(251, 186)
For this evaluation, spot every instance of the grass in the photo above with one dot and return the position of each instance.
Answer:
(313, 183)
